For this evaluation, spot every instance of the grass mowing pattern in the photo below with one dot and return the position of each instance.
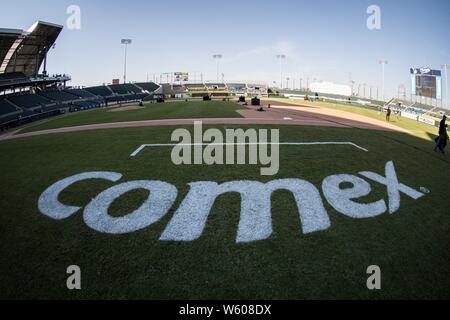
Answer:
(173, 110)
(411, 247)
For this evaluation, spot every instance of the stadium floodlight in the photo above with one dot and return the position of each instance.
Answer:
(401, 91)
(125, 42)
(217, 57)
(352, 86)
(383, 64)
(281, 57)
(445, 68)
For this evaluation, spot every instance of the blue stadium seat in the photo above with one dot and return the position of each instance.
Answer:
(148, 86)
(81, 93)
(102, 91)
(57, 95)
(6, 107)
(125, 88)
(28, 101)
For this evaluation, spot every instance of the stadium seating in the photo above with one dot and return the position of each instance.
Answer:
(197, 89)
(6, 107)
(81, 93)
(102, 91)
(127, 97)
(179, 90)
(125, 88)
(57, 95)
(195, 86)
(85, 105)
(422, 106)
(237, 86)
(216, 85)
(17, 116)
(27, 113)
(237, 89)
(148, 86)
(9, 118)
(53, 108)
(28, 101)
(217, 89)
(12, 77)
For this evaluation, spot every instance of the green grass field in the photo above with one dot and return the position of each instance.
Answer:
(418, 129)
(176, 110)
(412, 247)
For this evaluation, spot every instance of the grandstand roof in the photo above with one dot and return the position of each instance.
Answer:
(7, 39)
(24, 51)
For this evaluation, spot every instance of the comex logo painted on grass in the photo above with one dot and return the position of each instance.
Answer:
(255, 223)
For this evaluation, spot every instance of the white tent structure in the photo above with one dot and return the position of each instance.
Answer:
(331, 88)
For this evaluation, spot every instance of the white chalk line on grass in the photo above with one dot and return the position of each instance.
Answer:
(168, 145)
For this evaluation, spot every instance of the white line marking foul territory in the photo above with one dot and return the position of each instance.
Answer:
(169, 145)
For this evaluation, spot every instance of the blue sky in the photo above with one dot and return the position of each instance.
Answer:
(323, 39)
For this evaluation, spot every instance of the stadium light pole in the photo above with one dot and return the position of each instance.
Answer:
(281, 57)
(445, 67)
(217, 57)
(383, 65)
(125, 42)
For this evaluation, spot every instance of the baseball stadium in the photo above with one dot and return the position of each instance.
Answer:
(89, 185)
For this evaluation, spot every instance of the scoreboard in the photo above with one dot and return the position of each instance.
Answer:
(181, 76)
(426, 82)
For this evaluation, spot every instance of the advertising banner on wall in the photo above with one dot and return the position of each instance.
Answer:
(429, 121)
(409, 115)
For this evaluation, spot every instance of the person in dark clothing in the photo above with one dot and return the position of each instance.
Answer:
(441, 141)
(388, 114)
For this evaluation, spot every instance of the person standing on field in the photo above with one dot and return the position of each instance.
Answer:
(441, 140)
(388, 114)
